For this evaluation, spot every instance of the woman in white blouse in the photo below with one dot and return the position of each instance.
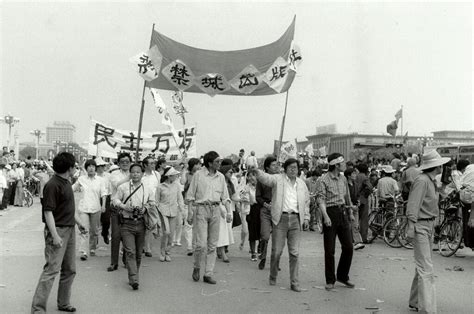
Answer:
(169, 200)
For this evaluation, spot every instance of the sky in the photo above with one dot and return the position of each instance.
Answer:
(362, 62)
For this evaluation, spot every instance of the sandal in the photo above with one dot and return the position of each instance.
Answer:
(67, 308)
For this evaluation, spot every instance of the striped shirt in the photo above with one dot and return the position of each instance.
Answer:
(332, 189)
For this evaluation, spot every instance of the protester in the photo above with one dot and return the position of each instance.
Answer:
(226, 236)
(351, 175)
(58, 215)
(422, 209)
(263, 196)
(90, 208)
(363, 188)
(467, 199)
(132, 199)
(207, 190)
(387, 187)
(251, 161)
(311, 183)
(247, 202)
(3, 185)
(13, 177)
(117, 178)
(151, 178)
(336, 207)
(290, 215)
(241, 160)
(408, 176)
(169, 200)
(193, 166)
(18, 201)
(104, 216)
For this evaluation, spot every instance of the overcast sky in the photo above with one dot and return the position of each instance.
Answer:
(362, 61)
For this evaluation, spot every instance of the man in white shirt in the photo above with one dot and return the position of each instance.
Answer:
(251, 161)
(151, 178)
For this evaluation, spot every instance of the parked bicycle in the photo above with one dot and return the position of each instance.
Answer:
(381, 215)
(449, 234)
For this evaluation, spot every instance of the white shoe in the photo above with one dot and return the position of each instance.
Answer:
(359, 246)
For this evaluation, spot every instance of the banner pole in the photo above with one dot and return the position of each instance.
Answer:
(140, 121)
(283, 125)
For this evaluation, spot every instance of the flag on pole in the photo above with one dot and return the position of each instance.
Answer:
(148, 63)
(392, 127)
(159, 103)
(288, 150)
(405, 138)
(399, 114)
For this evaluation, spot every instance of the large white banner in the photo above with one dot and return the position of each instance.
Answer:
(107, 141)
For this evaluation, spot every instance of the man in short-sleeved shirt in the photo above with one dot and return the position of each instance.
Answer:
(60, 239)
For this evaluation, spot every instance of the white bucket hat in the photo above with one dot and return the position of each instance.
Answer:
(432, 159)
(171, 172)
(100, 162)
(388, 169)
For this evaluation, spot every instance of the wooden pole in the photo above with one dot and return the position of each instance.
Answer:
(282, 125)
(140, 122)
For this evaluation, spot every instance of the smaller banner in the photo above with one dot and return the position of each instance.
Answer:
(212, 83)
(107, 141)
(159, 103)
(148, 63)
(247, 80)
(179, 75)
(178, 106)
(276, 75)
(392, 127)
(309, 149)
(288, 150)
(294, 58)
(322, 151)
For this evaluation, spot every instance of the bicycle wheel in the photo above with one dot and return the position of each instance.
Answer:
(450, 237)
(375, 225)
(402, 233)
(28, 198)
(390, 232)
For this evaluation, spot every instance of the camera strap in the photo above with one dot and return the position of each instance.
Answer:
(131, 194)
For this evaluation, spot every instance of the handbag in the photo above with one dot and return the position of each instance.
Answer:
(151, 217)
(236, 220)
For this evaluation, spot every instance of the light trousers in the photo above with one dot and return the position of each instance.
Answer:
(88, 241)
(423, 291)
(206, 233)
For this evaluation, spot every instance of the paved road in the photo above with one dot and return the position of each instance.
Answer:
(382, 275)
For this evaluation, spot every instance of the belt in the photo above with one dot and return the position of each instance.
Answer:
(336, 207)
(292, 213)
(135, 219)
(427, 219)
(208, 203)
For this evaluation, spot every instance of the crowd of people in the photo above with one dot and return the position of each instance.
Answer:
(133, 203)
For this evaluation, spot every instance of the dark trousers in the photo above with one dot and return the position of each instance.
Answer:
(115, 243)
(364, 221)
(57, 259)
(265, 230)
(12, 185)
(6, 197)
(105, 218)
(468, 232)
(340, 227)
(133, 238)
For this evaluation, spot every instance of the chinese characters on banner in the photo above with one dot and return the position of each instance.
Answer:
(294, 57)
(247, 80)
(106, 141)
(276, 75)
(178, 74)
(212, 83)
(148, 63)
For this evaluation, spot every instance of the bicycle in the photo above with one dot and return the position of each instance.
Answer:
(27, 198)
(380, 216)
(450, 232)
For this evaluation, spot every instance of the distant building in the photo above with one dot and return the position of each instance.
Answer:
(345, 143)
(62, 131)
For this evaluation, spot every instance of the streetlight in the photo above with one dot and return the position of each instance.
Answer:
(11, 121)
(38, 134)
(57, 143)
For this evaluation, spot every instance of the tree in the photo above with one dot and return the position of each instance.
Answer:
(28, 151)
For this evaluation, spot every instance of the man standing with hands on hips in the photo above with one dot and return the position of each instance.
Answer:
(290, 215)
(422, 209)
(336, 207)
(206, 191)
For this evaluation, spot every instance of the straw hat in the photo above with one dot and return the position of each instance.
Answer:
(171, 172)
(100, 162)
(432, 159)
(388, 169)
